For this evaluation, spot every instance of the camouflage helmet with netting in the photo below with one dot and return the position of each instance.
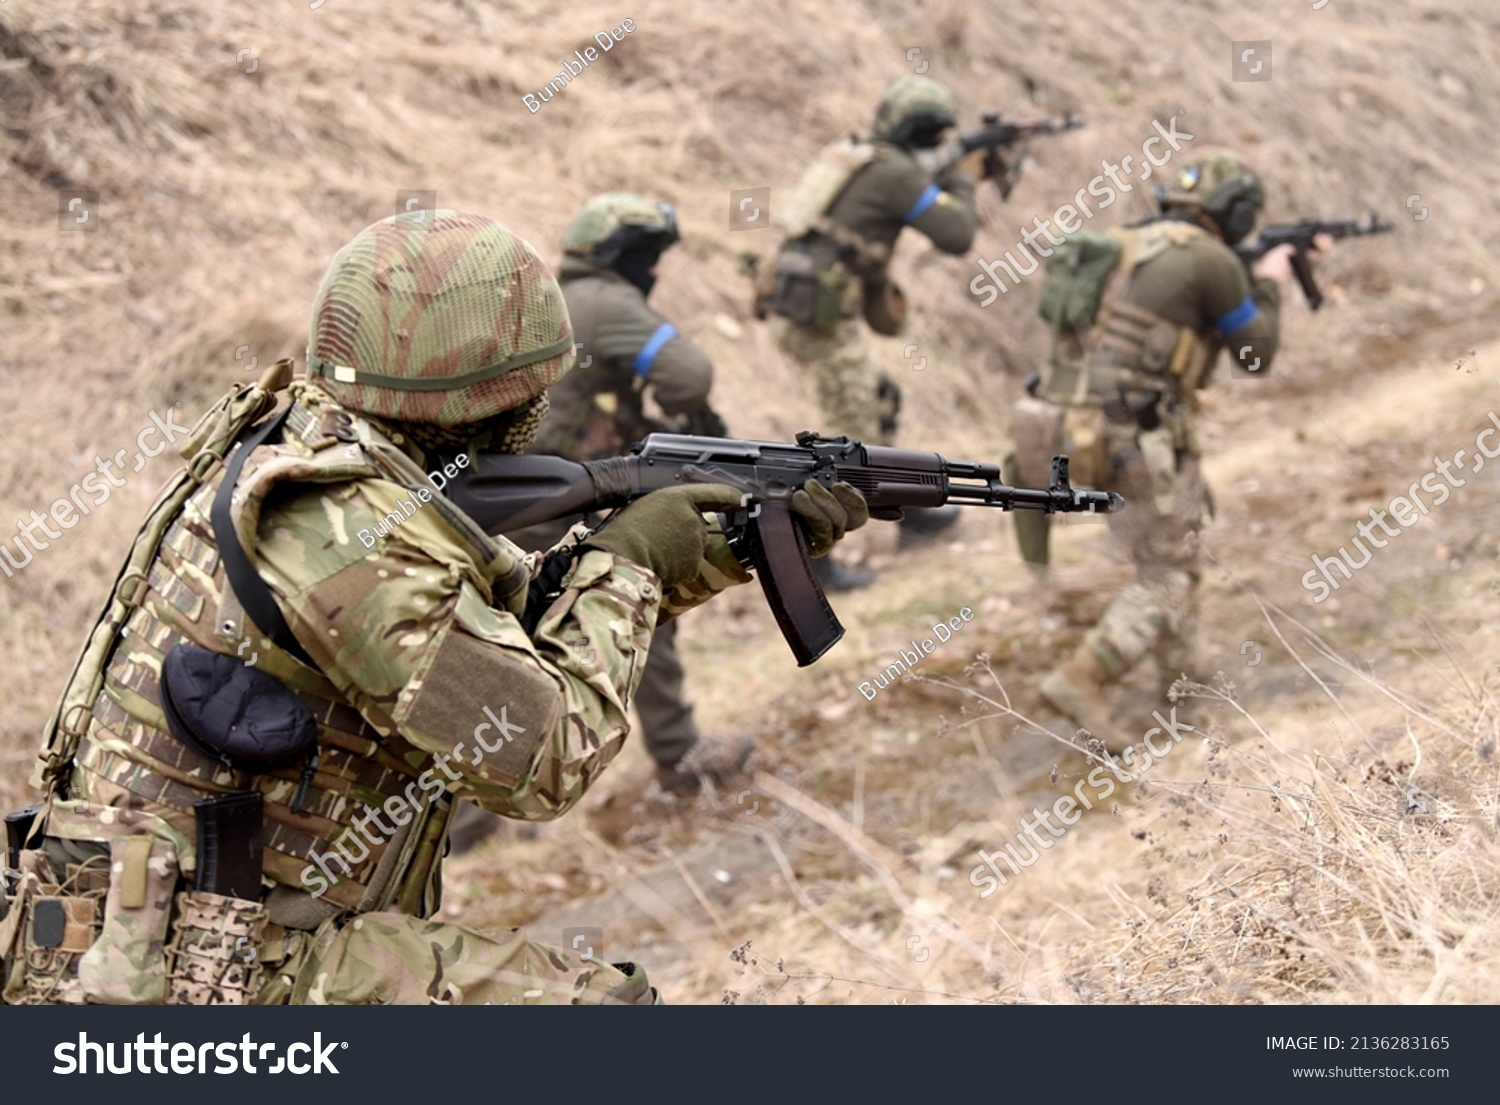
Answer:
(609, 225)
(1219, 184)
(911, 106)
(438, 318)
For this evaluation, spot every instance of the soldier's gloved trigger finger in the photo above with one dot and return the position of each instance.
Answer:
(854, 505)
(715, 498)
(820, 527)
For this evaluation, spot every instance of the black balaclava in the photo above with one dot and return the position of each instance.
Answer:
(636, 263)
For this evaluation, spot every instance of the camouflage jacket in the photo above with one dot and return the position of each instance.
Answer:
(624, 348)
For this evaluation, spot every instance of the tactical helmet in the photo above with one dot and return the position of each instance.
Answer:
(911, 107)
(614, 223)
(438, 318)
(1222, 188)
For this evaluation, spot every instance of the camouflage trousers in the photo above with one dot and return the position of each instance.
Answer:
(394, 959)
(847, 381)
(1167, 505)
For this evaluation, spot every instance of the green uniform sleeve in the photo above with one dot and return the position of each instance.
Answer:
(951, 221)
(894, 192)
(1245, 319)
(637, 342)
(521, 724)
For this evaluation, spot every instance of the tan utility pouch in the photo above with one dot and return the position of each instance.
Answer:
(1036, 427)
(51, 921)
(214, 957)
(126, 964)
(885, 306)
(1085, 429)
(1085, 440)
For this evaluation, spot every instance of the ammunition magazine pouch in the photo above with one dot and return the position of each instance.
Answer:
(822, 298)
(214, 956)
(804, 295)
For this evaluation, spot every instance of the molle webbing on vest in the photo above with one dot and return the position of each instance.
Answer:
(204, 449)
(1120, 352)
(865, 260)
(128, 757)
(1121, 333)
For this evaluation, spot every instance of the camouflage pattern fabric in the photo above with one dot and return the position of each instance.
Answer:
(601, 216)
(412, 629)
(912, 95)
(455, 653)
(1156, 612)
(667, 726)
(843, 373)
(214, 954)
(446, 318)
(392, 959)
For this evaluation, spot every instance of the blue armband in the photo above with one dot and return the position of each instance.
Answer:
(928, 197)
(1242, 316)
(643, 360)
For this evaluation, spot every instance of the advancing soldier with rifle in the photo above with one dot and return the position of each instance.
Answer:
(217, 829)
(840, 227)
(625, 350)
(1139, 316)
(224, 829)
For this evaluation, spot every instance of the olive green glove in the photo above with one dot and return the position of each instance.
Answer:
(827, 514)
(665, 531)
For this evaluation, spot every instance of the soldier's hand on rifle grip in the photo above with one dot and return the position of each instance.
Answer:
(1275, 265)
(828, 515)
(1322, 246)
(971, 164)
(665, 531)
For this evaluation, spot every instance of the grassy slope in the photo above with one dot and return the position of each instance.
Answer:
(224, 193)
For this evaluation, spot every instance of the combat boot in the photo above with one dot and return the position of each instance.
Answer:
(837, 577)
(1076, 690)
(920, 525)
(719, 760)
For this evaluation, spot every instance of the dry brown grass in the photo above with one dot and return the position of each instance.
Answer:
(224, 193)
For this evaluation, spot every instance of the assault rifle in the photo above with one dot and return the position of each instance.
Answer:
(992, 137)
(507, 492)
(1300, 236)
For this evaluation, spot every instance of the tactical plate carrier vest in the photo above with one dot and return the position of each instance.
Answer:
(109, 740)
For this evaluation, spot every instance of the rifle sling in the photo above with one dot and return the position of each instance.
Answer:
(239, 572)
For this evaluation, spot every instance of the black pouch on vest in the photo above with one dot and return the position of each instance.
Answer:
(228, 711)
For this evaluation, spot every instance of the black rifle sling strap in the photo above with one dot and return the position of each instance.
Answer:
(260, 605)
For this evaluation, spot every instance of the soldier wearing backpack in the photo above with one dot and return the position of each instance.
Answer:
(1139, 316)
